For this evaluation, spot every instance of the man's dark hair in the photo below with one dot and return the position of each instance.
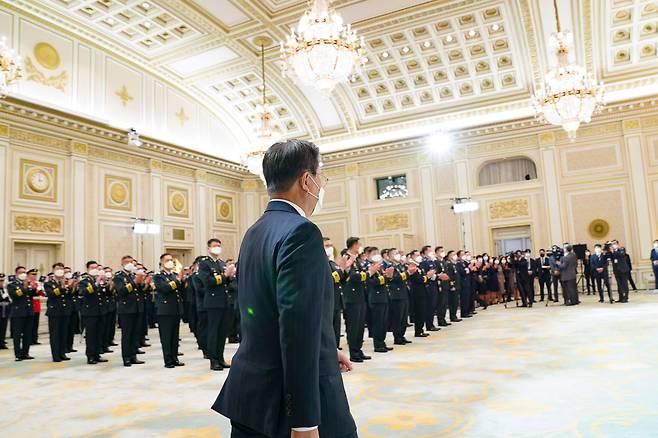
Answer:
(58, 264)
(164, 255)
(424, 249)
(214, 240)
(324, 239)
(285, 161)
(91, 262)
(18, 268)
(438, 248)
(351, 242)
(126, 257)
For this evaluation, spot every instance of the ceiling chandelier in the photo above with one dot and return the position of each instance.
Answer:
(322, 51)
(394, 191)
(569, 95)
(265, 132)
(11, 67)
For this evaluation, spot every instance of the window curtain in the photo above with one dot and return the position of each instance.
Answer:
(507, 171)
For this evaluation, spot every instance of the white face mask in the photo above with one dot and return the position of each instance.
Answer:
(418, 259)
(216, 250)
(319, 197)
(432, 256)
(129, 267)
(140, 271)
(496, 262)
(376, 258)
(397, 257)
(655, 244)
(479, 260)
(59, 273)
(329, 251)
(68, 275)
(360, 250)
(169, 264)
(454, 258)
(93, 272)
(486, 259)
(598, 251)
(108, 275)
(22, 276)
(442, 254)
(469, 258)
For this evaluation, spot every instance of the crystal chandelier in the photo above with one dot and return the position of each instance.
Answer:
(11, 67)
(394, 191)
(265, 132)
(322, 51)
(569, 95)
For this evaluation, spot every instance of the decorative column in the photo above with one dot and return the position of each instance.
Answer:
(461, 169)
(77, 230)
(637, 173)
(251, 210)
(4, 180)
(551, 187)
(156, 210)
(427, 195)
(352, 173)
(201, 231)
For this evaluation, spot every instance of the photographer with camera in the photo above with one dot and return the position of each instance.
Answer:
(555, 256)
(568, 266)
(621, 269)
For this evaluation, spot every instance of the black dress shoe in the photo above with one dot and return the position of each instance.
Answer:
(170, 365)
(144, 344)
(100, 359)
(180, 353)
(107, 350)
(456, 320)
(407, 341)
(224, 364)
(399, 343)
(140, 352)
(422, 335)
(57, 360)
(112, 344)
(352, 359)
(91, 362)
(65, 358)
(443, 324)
(433, 329)
(28, 357)
(389, 348)
(136, 362)
(36, 343)
(73, 350)
(364, 357)
(19, 359)
(179, 364)
(127, 363)
(4, 347)
(601, 301)
(381, 350)
(467, 316)
(215, 365)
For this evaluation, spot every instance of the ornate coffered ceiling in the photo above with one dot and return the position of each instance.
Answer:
(441, 64)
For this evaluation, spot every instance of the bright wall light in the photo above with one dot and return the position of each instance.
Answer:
(439, 142)
(141, 226)
(465, 207)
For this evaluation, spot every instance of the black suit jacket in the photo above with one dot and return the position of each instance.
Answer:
(285, 373)
(126, 290)
(168, 300)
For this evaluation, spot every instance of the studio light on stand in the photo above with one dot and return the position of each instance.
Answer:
(141, 227)
(462, 206)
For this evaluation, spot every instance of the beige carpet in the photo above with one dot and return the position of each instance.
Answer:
(584, 371)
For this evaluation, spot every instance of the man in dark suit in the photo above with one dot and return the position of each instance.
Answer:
(89, 289)
(544, 274)
(568, 274)
(527, 269)
(621, 269)
(599, 267)
(654, 261)
(285, 379)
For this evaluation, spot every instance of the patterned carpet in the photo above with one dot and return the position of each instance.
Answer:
(585, 371)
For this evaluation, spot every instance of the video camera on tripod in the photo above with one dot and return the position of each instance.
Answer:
(556, 252)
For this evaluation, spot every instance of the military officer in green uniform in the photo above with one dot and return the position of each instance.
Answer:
(57, 290)
(127, 310)
(215, 276)
(378, 302)
(354, 297)
(169, 309)
(399, 297)
(21, 291)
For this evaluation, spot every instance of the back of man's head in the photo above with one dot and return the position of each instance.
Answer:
(285, 161)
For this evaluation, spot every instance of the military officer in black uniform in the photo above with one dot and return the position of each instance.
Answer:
(105, 310)
(431, 289)
(418, 281)
(338, 276)
(189, 300)
(233, 321)
(452, 285)
(399, 298)
(111, 300)
(5, 301)
(169, 308)
(443, 286)
(202, 315)
(89, 291)
(378, 302)
(464, 284)
(216, 276)
(71, 312)
(56, 290)
(21, 291)
(143, 290)
(127, 310)
(354, 297)
(621, 269)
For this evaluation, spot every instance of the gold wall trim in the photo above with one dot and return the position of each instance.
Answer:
(223, 181)
(33, 138)
(392, 222)
(37, 224)
(174, 169)
(118, 157)
(4, 130)
(509, 209)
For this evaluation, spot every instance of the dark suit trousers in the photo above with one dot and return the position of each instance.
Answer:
(337, 326)
(128, 324)
(555, 281)
(216, 333)
(443, 305)
(111, 327)
(464, 296)
(168, 328)
(655, 274)
(622, 285)
(240, 431)
(57, 333)
(92, 336)
(453, 299)
(3, 329)
(420, 299)
(35, 328)
(604, 280)
(524, 286)
(432, 300)
(570, 291)
(202, 330)
(21, 330)
(398, 310)
(355, 314)
(191, 316)
(378, 312)
(544, 282)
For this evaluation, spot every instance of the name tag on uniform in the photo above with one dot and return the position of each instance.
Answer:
(172, 284)
(363, 276)
(403, 276)
(336, 277)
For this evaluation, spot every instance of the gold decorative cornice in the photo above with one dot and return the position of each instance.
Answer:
(79, 148)
(250, 184)
(118, 157)
(174, 169)
(631, 125)
(213, 178)
(606, 129)
(37, 224)
(156, 165)
(509, 209)
(4, 130)
(33, 138)
(200, 175)
(546, 138)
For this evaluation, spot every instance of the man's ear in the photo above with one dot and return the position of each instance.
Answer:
(303, 181)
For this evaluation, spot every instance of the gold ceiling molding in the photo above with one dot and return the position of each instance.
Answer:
(118, 157)
(200, 175)
(37, 224)
(547, 138)
(514, 143)
(631, 125)
(250, 184)
(79, 148)
(400, 162)
(606, 129)
(509, 209)
(223, 181)
(174, 169)
(587, 34)
(32, 138)
(4, 130)
(531, 39)
(156, 165)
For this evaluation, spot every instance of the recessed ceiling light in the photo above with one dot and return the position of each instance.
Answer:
(471, 33)
(365, 60)
(385, 55)
(405, 49)
(495, 27)
(449, 38)
(147, 24)
(146, 5)
(427, 44)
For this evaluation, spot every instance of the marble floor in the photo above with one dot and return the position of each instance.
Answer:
(583, 371)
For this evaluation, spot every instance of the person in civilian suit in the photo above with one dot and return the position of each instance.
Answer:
(526, 269)
(354, 296)
(599, 266)
(169, 308)
(568, 273)
(654, 261)
(285, 378)
(56, 291)
(89, 289)
(21, 291)
(127, 310)
(543, 264)
(215, 276)
(338, 276)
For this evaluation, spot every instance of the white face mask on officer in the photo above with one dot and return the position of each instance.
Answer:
(22, 276)
(68, 275)
(376, 258)
(59, 273)
(397, 257)
(130, 266)
(319, 197)
(329, 251)
(93, 272)
(169, 264)
(216, 250)
(418, 259)
(108, 275)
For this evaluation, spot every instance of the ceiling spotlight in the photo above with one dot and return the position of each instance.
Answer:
(146, 5)
(385, 55)
(133, 138)
(365, 60)
(495, 27)
(439, 142)
(471, 33)
(147, 24)
(405, 49)
(110, 21)
(427, 44)
(449, 38)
